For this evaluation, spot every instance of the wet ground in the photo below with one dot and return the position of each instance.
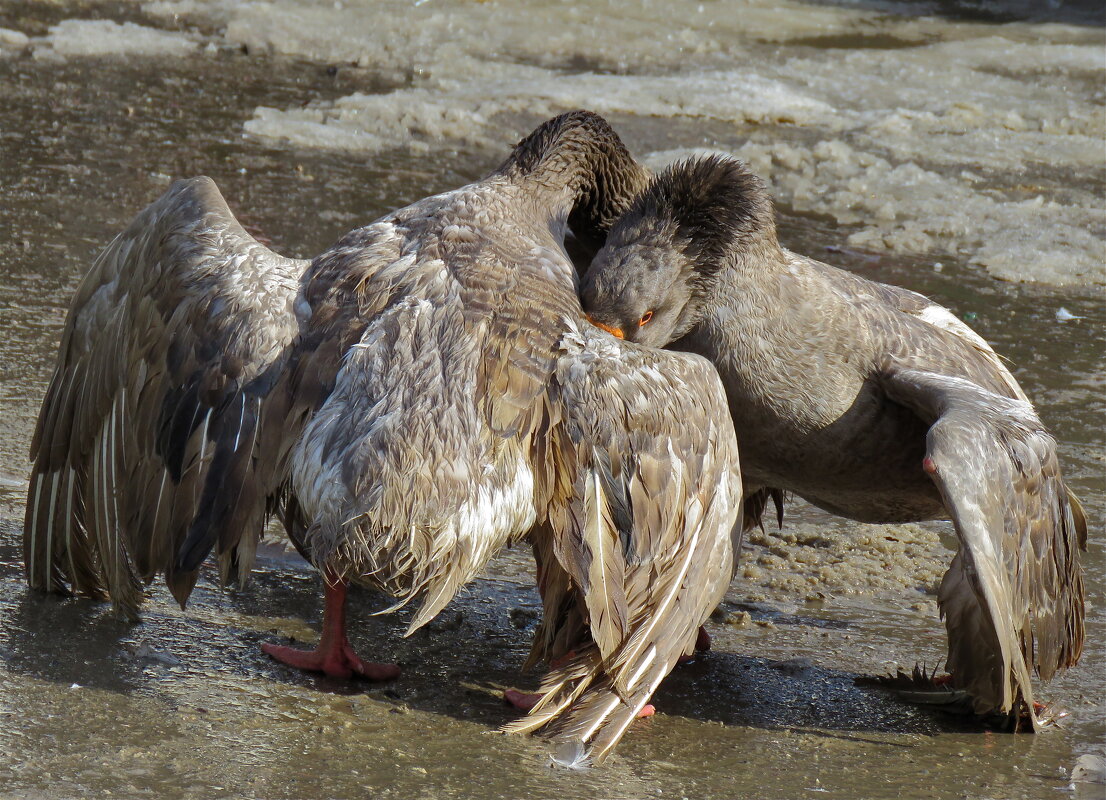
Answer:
(185, 705)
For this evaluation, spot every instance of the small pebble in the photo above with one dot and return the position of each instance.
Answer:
(446, 621)
(522, 617)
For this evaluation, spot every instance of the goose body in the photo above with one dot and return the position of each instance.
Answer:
(867, 400)
(417, 396)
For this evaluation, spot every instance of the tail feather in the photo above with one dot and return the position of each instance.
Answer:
(560, 689)
(581, 704)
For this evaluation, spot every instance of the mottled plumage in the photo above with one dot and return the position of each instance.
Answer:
(424, 392)
(867, 400)
(160, 375)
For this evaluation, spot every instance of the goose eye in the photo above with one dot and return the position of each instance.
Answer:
(648, 315)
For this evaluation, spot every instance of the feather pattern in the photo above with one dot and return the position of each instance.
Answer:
(421, 394)
(841, 390)
(604, 591)
(428, 354)
(1013, 597)
(669, 459)
(166, 331)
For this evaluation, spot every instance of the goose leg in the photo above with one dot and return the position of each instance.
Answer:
(925, 688)
(333, 656)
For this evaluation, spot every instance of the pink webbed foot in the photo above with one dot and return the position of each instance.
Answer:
(333, 656)
(334, 661)
(523, 701)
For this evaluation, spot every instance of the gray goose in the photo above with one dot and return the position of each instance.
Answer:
(867, 400)
(421, 394)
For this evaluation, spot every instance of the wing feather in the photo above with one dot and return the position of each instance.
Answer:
(606, 598)
(143, 419)
(1013, 597)
(648, 436)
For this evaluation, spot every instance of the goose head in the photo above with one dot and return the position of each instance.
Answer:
(662, 259)
(580, 153)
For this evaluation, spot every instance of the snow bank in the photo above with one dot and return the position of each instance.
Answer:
(86, 37)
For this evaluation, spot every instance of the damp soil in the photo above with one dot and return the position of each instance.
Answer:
(184, 704)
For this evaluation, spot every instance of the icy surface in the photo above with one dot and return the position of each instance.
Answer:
(924, 135)
(904, 208)
(83, 37)
(12, 40)
(773, 710)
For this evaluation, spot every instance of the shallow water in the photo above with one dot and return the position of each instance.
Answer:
(184, 705)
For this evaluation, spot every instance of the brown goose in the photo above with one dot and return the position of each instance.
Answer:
(422, 393)
(867, 400)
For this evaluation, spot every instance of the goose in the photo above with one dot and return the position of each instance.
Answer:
(867, 400)
(418, 396)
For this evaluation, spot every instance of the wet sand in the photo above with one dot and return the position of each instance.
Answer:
(185, 705)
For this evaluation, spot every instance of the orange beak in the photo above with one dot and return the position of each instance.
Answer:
(615, 332)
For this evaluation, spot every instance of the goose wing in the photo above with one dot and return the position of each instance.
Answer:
(1013, 597)
(431, 366)
(924, 309)
(642, 522)
(872, 295)
(147, 431)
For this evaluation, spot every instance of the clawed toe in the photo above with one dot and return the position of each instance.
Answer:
(334, 662)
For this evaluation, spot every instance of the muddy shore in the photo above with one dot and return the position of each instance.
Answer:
(184, 705)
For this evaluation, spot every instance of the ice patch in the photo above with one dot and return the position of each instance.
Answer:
(86, 37)
(12, 41)
(904, 208)
(990, 102)
(406, 34)
(464, 111)
(929, 135)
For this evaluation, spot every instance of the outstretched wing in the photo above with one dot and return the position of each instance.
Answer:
(148, 425)
(642, 521)
(1013, 597)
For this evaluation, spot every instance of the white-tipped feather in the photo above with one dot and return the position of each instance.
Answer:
(182, 278)
(103, 521)
(114, 487)
(50, 525)
(37, 480)
(70, 522)
(203, 442)
(241, 419)
(643, 636)
(614, 703)
(160, 494)
(604, 597)
(646, 662)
